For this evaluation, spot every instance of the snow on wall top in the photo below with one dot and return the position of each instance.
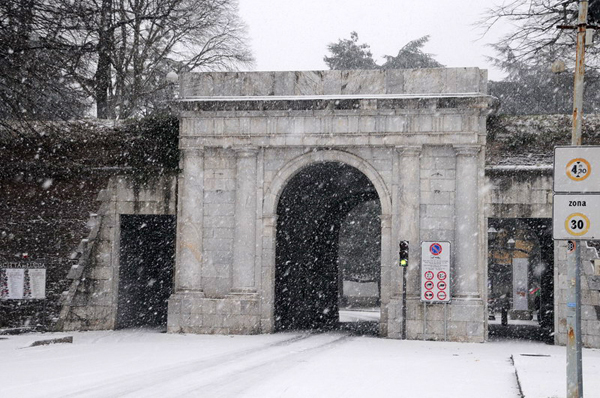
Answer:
(530, 139)
(334, 82)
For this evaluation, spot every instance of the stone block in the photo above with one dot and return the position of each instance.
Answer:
(437, 223)
(213, 321)
(394, 81)
(445, 163)
(436, 197)
(249, 307)
(421, 81)
(591, 340)
(218, 221)
(309, 83)
(434, 211)
(101, 273)
(283, 83)
(332, 82)
(442, 185)
(363, 82)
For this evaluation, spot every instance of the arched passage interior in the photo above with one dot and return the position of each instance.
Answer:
(521, 278)
(320, 202)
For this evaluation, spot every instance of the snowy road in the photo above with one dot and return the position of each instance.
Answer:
(150, 364)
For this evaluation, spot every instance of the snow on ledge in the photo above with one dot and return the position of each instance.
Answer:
(329, 97)
(512, 167)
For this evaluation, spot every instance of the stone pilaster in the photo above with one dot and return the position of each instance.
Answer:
(466, 270)
(188, 294)
(409, 196)
(188, 271)
(244, 248)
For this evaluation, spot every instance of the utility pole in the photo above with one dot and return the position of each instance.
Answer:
(574, 359)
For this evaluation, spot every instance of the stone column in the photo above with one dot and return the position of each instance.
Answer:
(409, 195)
(244, 244)
(188, 274)
(466, 270)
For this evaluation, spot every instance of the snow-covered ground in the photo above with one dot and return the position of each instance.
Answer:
(145, 363)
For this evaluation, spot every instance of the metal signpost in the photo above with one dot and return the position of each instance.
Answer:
(576, 217)
(577, 224)
(435, 277)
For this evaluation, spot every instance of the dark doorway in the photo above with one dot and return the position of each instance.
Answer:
(147, 260)
(311, 212)
(521, 278)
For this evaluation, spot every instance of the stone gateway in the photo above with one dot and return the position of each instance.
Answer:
(272, 161)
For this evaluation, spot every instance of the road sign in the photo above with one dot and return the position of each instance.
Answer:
(577, 169)
(435, 271)
(576, 217)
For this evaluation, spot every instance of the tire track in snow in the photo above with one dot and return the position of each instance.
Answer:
(117, 387)
(233, 384)
(229, 379)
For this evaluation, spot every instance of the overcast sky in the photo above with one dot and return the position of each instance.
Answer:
(293, 34)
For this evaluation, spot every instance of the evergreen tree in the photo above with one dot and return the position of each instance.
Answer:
(348, 54)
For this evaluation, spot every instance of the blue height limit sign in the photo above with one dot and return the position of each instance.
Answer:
(435, 272)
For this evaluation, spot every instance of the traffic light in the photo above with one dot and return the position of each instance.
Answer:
(403, 253)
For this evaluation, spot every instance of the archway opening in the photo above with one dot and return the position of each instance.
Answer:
(328, 245)
(147, 260)
(521, 279)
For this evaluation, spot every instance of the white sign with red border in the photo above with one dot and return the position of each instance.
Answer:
(577, 169)
(435, 272)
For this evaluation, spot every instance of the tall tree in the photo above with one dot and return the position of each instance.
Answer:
(34, 81)
(348, 54)
(411, 56)
(535, 38)
(135, 41)
(116, 52)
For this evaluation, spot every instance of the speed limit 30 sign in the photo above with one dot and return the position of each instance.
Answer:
(576, 217)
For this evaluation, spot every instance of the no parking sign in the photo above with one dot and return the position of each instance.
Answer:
(435, 272)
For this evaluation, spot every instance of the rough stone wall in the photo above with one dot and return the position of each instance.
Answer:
(45, 216)
(519, 192)
(590, 296)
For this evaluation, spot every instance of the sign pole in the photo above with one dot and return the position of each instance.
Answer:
(574, 360)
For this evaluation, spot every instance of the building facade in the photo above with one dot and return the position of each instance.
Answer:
(416, 138)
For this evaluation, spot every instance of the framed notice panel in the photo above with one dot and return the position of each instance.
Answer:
(435, 272)
(19, 281)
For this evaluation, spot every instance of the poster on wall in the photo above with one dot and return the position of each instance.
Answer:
(37, 283)
(20, 281)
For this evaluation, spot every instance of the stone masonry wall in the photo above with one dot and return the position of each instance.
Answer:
(590, 296)
(91, 300)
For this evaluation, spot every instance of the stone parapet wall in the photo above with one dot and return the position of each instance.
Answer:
(334, 82)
